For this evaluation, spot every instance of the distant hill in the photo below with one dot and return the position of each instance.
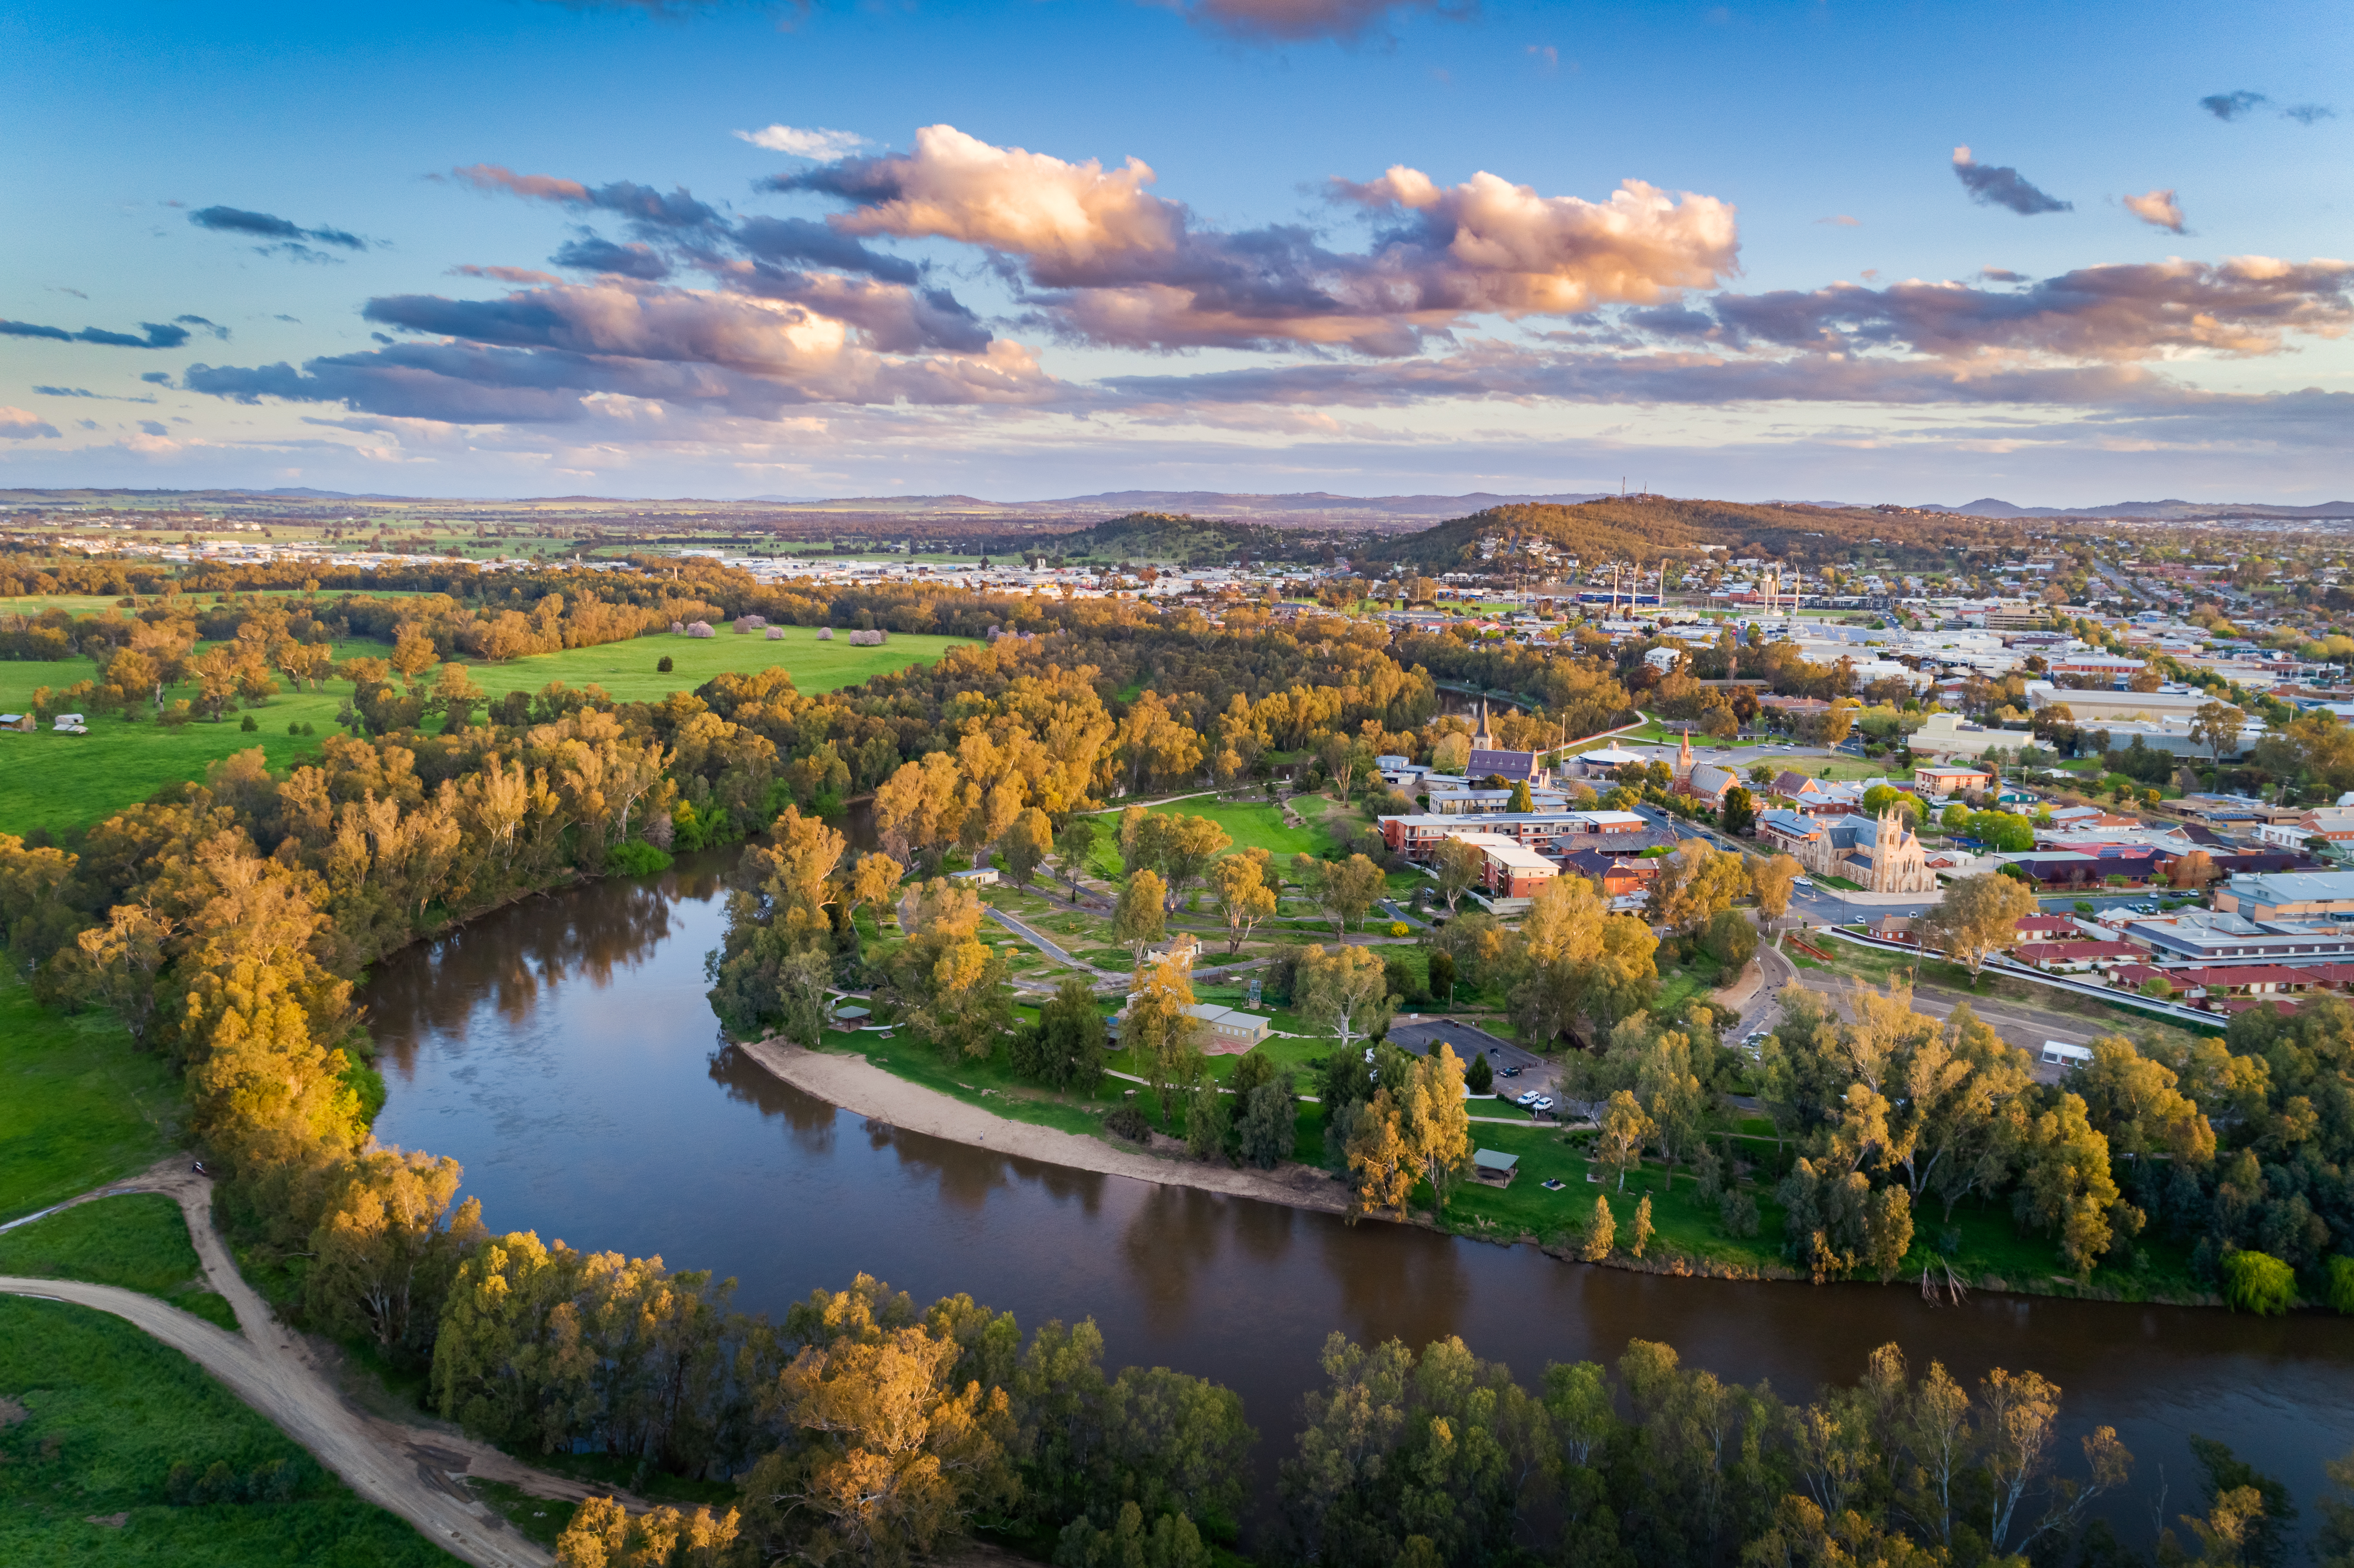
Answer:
(1158, 536)
(1645, 527)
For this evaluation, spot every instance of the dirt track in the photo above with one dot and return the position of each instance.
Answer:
(412, 1471)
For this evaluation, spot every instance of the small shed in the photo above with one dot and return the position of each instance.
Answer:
(2060, 1054)
(22, 723)
(979, 877)
(1489, 1165)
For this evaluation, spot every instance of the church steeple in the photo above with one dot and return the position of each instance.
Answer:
(1483, 741)
(1684, 759)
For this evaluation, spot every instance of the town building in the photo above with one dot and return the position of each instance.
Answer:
(2287, 895)
(1491, 761)
(1880, 855)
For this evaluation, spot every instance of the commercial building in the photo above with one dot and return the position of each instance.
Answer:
(2287, 895)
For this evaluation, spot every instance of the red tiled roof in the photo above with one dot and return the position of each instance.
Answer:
(2072, 952)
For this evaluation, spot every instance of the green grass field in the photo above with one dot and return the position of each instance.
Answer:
(138, 1241)
(627, 670)
(79, 1106)
(97, 1414)
(62, 781)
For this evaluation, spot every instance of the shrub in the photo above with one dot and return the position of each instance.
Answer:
(1400, 928)
(2340, 1289)
(1479, 1077)
(2259, 1283)
(636, 858)
(1737, 1212)
(247, 725)
(665, 664)
(1128, 1122)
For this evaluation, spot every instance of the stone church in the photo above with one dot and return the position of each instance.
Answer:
(1880, 855)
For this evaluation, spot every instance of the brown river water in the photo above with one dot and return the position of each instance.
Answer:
(563, 1051)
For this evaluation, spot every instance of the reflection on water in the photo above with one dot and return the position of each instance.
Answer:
(562, 1049)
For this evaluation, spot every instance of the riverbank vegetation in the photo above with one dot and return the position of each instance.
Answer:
(115, 1450)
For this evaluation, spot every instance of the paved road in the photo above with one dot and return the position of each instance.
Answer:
(412, 1472)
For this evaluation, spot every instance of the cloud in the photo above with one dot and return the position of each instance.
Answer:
(1840, 220)
(799, 239)
(155, 427)
(86, 392)
(1300, 21)
(504, 274)
(18, 425)
(156, 377)
(648, 211)
(160, 335)
(2156, 209)
(1106, 261)
(210, 329)
(287, 235)
(591, 254)
(1995, 185)
(551, 354)
(2244, 307)
(2307, 114)
(802, 144)
(2231, 105)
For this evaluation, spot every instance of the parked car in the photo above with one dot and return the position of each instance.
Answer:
(1511, 1071)
(1543, 1104)
(1801, 882)
(1528, 1099)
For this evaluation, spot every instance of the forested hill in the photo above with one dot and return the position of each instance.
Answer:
(1158, 536)
(1620, 527)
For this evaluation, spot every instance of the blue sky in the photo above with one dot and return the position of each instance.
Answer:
(1801, 298)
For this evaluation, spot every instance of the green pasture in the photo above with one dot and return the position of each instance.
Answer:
(138, 1241)
(629, 670)
(78, 1105)
(107, 1413)
(63, 781)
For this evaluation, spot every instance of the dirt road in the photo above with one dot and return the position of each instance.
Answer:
(412, 1471)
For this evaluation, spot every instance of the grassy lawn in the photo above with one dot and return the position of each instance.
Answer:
(1985, 1248)
(138, 1241)
(990, 1083)
(626, 670)
(79, 1106)
(107, 1413)
(1254, 825)
(60, 781)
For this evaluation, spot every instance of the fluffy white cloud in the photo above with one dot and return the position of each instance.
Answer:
(22, 424)
(804, 142)
(1109, 261)
(2156, 209)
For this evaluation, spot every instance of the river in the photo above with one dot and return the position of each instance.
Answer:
(563, 1051)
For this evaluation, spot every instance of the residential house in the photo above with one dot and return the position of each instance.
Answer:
(2076, 956)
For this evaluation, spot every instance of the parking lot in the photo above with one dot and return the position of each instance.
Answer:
(1532, 1074)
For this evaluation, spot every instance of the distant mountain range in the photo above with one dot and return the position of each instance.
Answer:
(1311, 506)
(1306, 508)
(2160, 510)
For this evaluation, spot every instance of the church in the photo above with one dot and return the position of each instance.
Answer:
(1489, 760)
(1878, 854)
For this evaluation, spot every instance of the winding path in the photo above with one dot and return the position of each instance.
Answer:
(412, 1472)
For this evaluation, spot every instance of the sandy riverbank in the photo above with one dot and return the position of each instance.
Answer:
(857, 1085)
